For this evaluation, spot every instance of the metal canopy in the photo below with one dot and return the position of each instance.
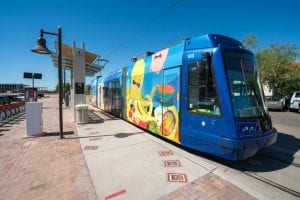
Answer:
(91, 67)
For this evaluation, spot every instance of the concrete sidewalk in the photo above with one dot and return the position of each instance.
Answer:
(127, 163)
(43, 167)
(108, 159)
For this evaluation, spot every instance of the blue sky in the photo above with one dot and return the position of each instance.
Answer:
(120, 29)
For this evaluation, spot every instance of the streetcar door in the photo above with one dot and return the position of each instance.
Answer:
(99, 97)
(170, 103)
(117, 98)
(200, 107)
(113, 97)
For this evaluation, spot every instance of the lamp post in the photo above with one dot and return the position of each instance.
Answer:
(42, 49)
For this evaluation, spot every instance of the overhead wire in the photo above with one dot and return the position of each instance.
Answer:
(154, 19)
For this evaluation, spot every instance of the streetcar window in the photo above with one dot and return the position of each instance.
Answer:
(202, 92)
(245, 89)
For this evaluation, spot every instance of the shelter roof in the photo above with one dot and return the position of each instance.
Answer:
(91, 65)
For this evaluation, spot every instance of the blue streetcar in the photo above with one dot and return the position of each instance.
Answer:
(203, 93)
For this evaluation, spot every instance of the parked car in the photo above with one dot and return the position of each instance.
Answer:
(276, 103)
(40, 95)
(295, 101)
(21, 97)
(4, 100)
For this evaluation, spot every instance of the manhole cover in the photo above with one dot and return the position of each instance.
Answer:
(91, 147)
(172, 163)
(166, 153)
(176, 177)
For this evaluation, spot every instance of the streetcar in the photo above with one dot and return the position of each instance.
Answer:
(203, 93)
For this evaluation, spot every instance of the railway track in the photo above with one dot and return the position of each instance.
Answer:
(280, 159)
(272, 183)
(247, 167)
(279, 186)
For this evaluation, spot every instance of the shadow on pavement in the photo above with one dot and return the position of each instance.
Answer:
(109, 116)
(124, 135)
(13, 120)
(50, 134)
(284, 149)
(117, 135)
(275, 157)
(288, 142)
(94, 118)
(6, 126)
(268, 159)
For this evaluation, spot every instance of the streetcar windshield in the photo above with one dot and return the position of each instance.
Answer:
(245, 88)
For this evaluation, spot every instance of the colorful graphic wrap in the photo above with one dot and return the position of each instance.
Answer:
(93, 93)
(153, 93)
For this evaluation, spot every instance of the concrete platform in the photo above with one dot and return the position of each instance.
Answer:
(126, 163)
(44, 167)
(109, 158)
(127, 158)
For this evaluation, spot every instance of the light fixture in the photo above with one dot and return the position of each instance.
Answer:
(42, 49)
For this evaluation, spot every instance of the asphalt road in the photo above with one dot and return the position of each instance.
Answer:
(277, 165)
(288, 127)
(288, 122)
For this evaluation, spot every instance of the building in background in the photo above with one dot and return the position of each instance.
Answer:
(12, 88)
(267, 90)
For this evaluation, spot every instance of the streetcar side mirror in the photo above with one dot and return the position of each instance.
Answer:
(204, 63)
(206, 56)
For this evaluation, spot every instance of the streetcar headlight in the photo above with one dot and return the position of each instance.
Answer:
(248, 127)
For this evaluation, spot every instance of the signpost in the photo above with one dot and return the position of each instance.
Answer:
(32, 76)
(31, 93)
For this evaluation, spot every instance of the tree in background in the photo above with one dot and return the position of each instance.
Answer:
(250, 42)
(87, 89)
(292, 79)
(277, 66)
(66, 88)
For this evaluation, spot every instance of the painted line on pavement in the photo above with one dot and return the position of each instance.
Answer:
(115, 194)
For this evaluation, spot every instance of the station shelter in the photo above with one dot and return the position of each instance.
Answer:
(80, 63)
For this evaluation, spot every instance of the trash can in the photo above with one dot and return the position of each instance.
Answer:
(67, 98)
(82, 113)
(34, 120)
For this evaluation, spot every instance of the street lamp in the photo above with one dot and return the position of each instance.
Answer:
(42, 49)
